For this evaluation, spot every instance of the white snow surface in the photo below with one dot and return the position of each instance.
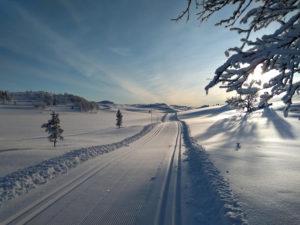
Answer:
(24, 143)
(164, 177)
(124, 186)
(256, 183)
(208, 197)
(23, 180)
(264, 172)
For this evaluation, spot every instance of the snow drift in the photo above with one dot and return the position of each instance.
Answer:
(210, 192)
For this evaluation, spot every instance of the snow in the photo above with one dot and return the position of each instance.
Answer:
(236, 168)
(264, 172)
(23, 180)
(24, 143)
(142, 179)
(120, 187)
(208, 196)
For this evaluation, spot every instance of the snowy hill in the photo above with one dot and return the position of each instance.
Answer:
(159, 107)
(43, 99)
(107, 105)
(155, 106)
(181, 107)
(106, 102)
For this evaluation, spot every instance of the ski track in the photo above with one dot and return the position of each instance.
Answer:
(158, 202)
(38, 207)
(22, 181)
(163, 205)
(112, 215)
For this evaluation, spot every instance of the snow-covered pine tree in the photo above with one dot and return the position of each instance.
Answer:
(52, 127)
(249, 102)
(278, 51)
(119, 119)
(243, 102)
(264, 100)
(235, 102)
(249, 95)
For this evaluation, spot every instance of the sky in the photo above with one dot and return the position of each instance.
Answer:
(127, 51)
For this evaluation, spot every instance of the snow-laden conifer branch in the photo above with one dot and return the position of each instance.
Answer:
(278, 51)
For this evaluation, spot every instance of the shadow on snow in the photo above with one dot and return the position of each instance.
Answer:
(205, 112)
(283, 128)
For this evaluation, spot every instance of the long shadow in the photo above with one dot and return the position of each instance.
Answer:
(234, 128)
(14, 149)
(205, 112)
(283, 128)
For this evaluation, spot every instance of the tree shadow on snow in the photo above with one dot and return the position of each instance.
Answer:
(233, 128)
(283, 128)
(205, 112)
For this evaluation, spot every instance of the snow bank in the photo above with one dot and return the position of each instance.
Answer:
(24, 180)
(211, 193)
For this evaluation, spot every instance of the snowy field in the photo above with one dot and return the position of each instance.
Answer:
(24, 143)
(265, 171)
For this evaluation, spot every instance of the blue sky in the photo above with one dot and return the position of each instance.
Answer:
(127, 51)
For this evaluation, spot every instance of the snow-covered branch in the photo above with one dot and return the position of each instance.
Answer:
(278, 51)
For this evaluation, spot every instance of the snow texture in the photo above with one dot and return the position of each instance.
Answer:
(264, 172)
(210, 191)
(24, 180)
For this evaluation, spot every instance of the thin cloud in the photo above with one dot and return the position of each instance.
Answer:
(139, 92)
(122, 51)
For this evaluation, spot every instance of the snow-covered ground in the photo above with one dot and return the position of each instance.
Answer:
(124, 186)
(265, 172)
(152, 180)
(259, 179)
(24, 143)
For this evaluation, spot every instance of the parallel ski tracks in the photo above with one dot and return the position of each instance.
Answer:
(166, 214)
(170, 214)
(29, 213)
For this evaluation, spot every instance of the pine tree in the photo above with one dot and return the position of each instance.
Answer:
(4, 97)
(244, 102)
(119, 119)
(53, 128)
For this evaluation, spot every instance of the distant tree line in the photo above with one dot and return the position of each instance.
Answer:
(4, 97)
(42, 99)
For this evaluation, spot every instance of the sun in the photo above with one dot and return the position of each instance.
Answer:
(263, 77)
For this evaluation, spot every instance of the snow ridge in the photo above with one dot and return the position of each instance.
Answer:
(211, 196)
(23, 180)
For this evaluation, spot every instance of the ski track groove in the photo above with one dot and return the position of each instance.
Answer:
(161, 214)
(118, 159)
(45, 203)
(95, 217)
(177, 209)
(122, 217)
(156, 133)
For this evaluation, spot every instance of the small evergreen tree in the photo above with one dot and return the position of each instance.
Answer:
(53, 128)
(4, 97)
(119, 119)
(235, 102)
(249, 102)
(243, 102)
